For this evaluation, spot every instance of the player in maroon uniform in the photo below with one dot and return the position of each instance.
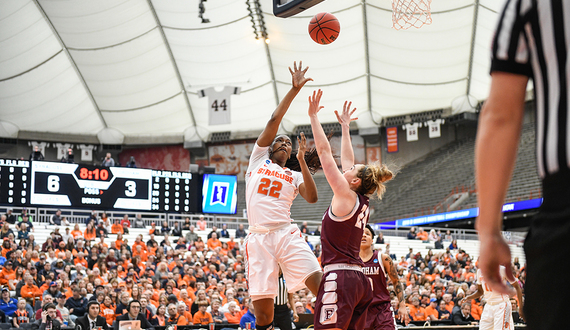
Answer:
(380, 314)
(345, 292)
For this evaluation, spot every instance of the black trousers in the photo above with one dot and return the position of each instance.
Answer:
(282, 317)
(547, 247)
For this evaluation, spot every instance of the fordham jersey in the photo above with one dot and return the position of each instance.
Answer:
(269, 190)
(490, 296)
(374, 270)
(340, 237)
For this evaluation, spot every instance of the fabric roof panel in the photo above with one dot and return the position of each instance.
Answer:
(131, 75)
(89, 24)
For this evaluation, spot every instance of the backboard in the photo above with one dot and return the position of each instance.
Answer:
(287, 8)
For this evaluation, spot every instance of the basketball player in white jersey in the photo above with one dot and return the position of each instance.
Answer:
(497, 313)
(273, 240)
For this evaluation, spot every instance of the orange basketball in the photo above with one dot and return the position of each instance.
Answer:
(324, 28)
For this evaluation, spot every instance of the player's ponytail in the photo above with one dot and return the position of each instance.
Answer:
(373, 177)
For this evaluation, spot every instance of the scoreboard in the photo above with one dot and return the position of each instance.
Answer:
(14, 182)
(25, 183)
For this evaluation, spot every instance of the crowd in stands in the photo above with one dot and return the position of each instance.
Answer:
(181, 279)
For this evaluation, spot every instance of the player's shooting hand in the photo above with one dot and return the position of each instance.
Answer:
(298, 75)
(403, 315)
(302, 142)
(494, 252)
(314, 103)
(295, 317)
(521, 314)
(345, 117)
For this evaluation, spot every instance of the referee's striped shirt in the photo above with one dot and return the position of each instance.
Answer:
(282, 295)
(532, 39)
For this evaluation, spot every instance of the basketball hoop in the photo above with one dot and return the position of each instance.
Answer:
(408, 13)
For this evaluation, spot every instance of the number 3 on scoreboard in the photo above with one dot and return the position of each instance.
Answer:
(265, 189)
(131, 188)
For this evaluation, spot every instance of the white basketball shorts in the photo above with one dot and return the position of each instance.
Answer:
(497, 317)
(264, 254)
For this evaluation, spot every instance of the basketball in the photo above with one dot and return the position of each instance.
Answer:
(324, 28)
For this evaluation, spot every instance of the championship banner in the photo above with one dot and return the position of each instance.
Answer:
(392, 138)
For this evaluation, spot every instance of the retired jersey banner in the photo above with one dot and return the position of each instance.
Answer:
(392, 138)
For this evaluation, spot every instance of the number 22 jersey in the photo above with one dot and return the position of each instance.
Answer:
(269, 190)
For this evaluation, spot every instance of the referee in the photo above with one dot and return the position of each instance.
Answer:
(531, 41)
(282, 313)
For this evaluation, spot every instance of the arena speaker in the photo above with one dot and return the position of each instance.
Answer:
(196, 148)
(370, 134)
(287, 8)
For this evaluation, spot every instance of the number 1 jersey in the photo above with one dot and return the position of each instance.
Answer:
(269, 190)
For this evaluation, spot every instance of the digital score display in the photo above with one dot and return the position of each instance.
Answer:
(14, 182)
(95, 187)
(174, 191)
(61, 184)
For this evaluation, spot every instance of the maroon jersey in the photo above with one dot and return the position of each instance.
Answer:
(340, 237)
(374, 270)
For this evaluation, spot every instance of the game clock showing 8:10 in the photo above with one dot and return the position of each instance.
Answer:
(94, 187)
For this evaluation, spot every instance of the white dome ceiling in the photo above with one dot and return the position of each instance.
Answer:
(135, 67)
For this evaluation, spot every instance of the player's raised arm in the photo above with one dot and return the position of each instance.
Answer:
(346, 152)
(339, 185)
(298, 80)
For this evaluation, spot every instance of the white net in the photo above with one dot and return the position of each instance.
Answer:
(408, 13)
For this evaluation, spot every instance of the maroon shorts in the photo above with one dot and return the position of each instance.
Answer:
(380, 316)
(343, 300)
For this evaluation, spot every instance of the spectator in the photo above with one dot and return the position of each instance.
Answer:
(214, 230)
(309, 243)
(234, 315)
(48, 320)
(380, 238)
(21, 315)
(131, 163)
(76, 304)
(433, 236)
(176, 231)
(165, 229)
(108, 161)
(133, 313)
(202, 317)
(117, 228)
(63, 311)
(431, 310)
(463, 316)
(240, 232)
(191, 236)
(214, 242)
(139, 222)
(453, 245)
(69, 157)
(92, 319)
(174, 317)
(10, 216)
(126, 221)
(248, 317)
(202, 223)
(56, 218)
(26, 221)
(422, 235)
(224, 232)
(187, 224)
(8, 305)
(417, 312)
(412, 233)
(36, 154)
(304, 228)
